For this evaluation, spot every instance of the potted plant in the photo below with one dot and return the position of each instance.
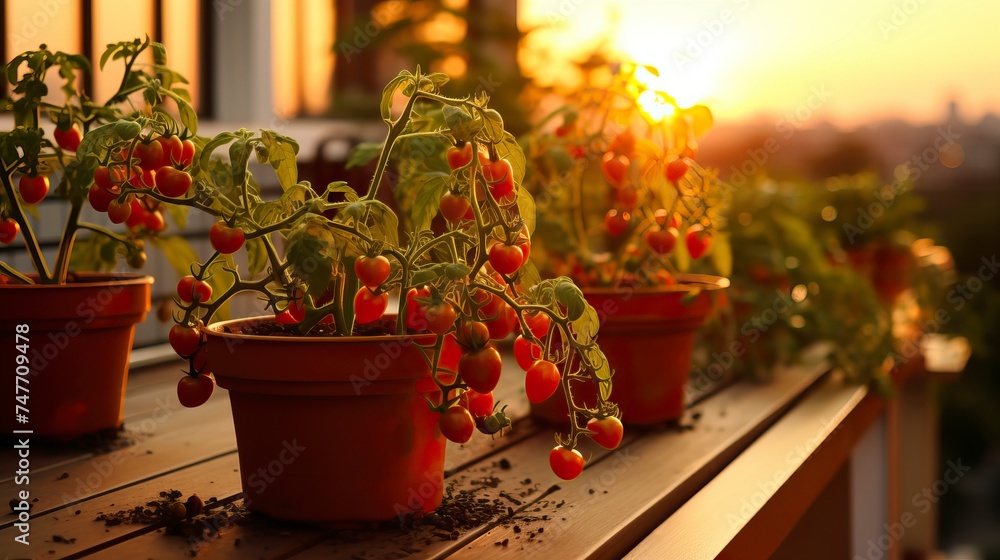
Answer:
(73, 321)
(355, 399)
(624, 145)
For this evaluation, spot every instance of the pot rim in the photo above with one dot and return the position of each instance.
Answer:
(686, 283)
(215, 329)
(93, 279)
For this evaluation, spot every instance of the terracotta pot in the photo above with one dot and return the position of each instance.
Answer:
(647, 335)
(330, 428)
(79, 339)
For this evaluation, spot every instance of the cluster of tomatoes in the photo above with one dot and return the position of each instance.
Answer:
(661, 237)
(157, 164)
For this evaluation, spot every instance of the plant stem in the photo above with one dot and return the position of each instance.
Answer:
(9, 271)
(67, 241)
(44, 277)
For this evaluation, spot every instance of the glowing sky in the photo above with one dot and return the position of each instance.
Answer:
(873, 58)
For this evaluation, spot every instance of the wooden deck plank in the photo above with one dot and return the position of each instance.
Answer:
(755, 501)
(616, 502)
(217, 477)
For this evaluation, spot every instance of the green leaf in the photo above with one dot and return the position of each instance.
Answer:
(281, 155)
(311, 250)
(571, 298)
(457, 271)
(221, 139)
(528, 275)
(363, 154)
(493, 126)
(585, 326)
(189, 118)
(384, 224)
(239, 156)
(428, 200)
(526, 208)
(429, 274)
(341, 187)
(256, 256)
(509, 149)
(385, 105)
(159, 52)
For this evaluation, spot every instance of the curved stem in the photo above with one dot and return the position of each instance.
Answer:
(44, 276)
(9, 271)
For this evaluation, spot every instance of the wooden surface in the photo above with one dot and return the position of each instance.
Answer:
(622, 497)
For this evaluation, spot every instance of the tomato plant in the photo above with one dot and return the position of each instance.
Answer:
(189, 288)
(480, 369)
(372, 271)
(226, 239)
(68, 138)
(566, 463)
(541, 381)
(33, 188)
(454, 207)
(194, 391)
(607, 431)
(369, 306)
(172, 182)
(8, 230)
(457, 424)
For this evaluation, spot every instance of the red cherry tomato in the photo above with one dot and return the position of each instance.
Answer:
(662, 241)
(451, 353)
(119, 212)
(173, 150)
(504, 324)
(541, 381)
(479, 404)
(616, 223)
(454, 207)
(187, 153)
(480, 369)
(33, 188)
(525, 353)
(698, 241)
(149, 154)
(676, 170)
(623, 144)
(473, 335)
(615, 169)
(500, 178)
(369, 307)
(608, 431)
(194, 391)
(457, 424)
(459, 155)
(8, 230)
(68, 139)
(154, 220)
(189, 288)
(184, 340)
(225, 239)
(416, 314)
(372, 271)
(137, 216)
(173, 183)
(506, 259)
(566, 463)
(440, 318)
(100, 198)
(102, 178)
(627, 197)
(538, 324)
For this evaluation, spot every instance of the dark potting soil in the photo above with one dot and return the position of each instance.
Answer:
(383, 327)
(187, 518)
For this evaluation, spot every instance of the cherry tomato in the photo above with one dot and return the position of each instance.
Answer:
(479, 404)
(698, 241)
(173, 183)
(538, 324)
(99, 198)
(676, 170)
(294, 313)
(119, 212)
(623, 144)
(416, 314)
(440, 318)
(68, 139)
(187, 153)
(453, 207)
(616, 223)
(189, 288)
(8, 230)
(33, 188)
(525, 353)
(615, 168)
(473, 335)
(369, 307)
(173, 150)
(608, 431)
(541, 381)
(566, 463)
(451, 353)
(662, 241)
(184, 340)
(506, 259)
(102, 178)
(137, 216)
(154, 220)
(504, 324)
(225, 239)
(194, 391)
(150, 155)
(500, 178)
(480, 369)
(457, 424)
(372, 271)
(459, 155)
(627, 197)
